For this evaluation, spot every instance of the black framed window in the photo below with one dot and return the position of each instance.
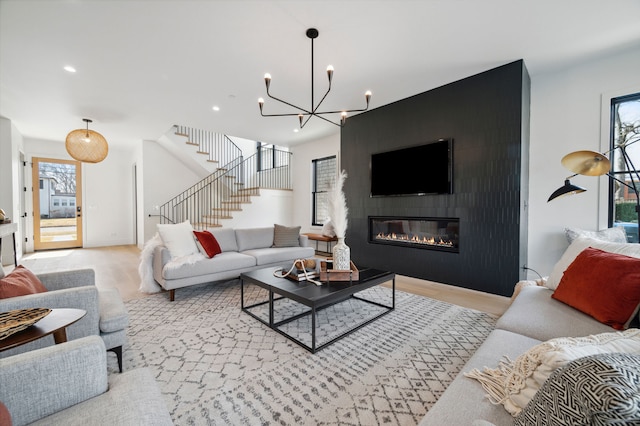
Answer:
(625, 138)
(324, 177)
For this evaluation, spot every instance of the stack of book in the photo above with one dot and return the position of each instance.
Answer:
(299, 274)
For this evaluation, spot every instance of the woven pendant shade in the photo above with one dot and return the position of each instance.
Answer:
(86, 145)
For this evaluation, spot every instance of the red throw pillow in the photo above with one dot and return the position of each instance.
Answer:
(208, 243)
(5, 416)
(20, 282)
(603, 285)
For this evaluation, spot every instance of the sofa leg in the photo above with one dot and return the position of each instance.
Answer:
(172, 295)
(118, 351)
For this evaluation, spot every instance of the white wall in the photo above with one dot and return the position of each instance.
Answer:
(566, 116)
(107, 194)
(302, 156)
(10, 192)
(162, 178)
(270, 207)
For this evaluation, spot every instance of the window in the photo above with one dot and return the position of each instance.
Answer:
(324, 177)
(56, 202)
(625, 167)
(64, 203)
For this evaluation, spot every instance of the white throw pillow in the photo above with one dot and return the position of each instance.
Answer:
(514, 383)
(178, 238)
(327, 229)
(579, 244)
(613, 235)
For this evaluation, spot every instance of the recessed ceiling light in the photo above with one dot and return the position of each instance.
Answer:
(216, 108)
(295, 130)
(69, 68)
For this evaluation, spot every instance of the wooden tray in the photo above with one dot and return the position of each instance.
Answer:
(14, 321)
(338, 275)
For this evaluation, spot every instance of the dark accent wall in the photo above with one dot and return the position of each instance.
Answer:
(487, 116)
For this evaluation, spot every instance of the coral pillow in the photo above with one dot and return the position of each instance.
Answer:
(20, 282)
(603, 285)
(208, 243)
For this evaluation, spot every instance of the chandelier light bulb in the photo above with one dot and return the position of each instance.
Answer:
(343, 117)
(330, 72)
(260, 103)
(267, 81)
(300, 117)
(367, 96)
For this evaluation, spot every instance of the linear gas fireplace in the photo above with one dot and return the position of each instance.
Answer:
(415, 232)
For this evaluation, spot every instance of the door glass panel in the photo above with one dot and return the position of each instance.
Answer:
(57, 208)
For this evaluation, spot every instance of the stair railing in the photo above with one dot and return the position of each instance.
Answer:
(217, 196)
(219, 147)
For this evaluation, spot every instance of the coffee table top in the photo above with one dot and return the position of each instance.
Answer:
(56, 320)
(314, 295)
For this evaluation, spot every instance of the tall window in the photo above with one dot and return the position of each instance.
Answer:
(625, 137)
(324, 177)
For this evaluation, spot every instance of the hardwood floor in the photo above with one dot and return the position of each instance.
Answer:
(117, 266)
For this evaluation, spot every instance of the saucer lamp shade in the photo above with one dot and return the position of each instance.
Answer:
(567, 189)
(86, 145)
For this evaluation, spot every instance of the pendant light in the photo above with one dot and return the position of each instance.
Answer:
(86, 145)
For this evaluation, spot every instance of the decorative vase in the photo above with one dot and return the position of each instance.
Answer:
(341, 256)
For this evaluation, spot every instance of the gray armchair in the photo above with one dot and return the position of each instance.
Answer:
(106, 314)
(68, 384)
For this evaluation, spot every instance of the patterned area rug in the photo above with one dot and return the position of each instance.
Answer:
(217, 365)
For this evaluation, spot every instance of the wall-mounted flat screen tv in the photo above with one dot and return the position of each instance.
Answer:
(417, 170)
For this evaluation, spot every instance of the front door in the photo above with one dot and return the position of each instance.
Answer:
(57, 204)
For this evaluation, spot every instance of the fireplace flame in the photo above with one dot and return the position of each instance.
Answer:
(415, 239)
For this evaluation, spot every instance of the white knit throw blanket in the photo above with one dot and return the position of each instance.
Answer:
(145, 269)
(514, 382)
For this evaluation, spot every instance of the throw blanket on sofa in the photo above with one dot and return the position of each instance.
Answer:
(515, 382)
(145, 269)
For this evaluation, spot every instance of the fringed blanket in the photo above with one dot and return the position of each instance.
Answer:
(145, 269)
(514, 382)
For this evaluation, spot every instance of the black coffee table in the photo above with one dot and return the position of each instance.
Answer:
(315, 297)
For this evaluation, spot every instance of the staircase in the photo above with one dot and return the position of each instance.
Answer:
(223, 193)
(217, 147)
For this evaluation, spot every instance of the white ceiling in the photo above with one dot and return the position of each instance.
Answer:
(145, 65)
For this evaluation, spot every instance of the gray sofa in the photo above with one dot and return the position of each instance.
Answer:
(106, 314)
(243, 250)
(532, 318)
(67, 384)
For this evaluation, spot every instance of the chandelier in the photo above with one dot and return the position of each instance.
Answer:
(86, 145)
(304, 115)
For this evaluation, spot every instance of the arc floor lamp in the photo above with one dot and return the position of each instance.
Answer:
(591, 163)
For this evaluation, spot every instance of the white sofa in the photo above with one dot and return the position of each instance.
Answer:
(533, 317)
(243, 250)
